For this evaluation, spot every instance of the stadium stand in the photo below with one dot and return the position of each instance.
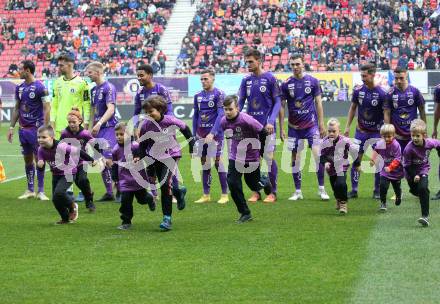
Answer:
(335, 35)
(120, 33)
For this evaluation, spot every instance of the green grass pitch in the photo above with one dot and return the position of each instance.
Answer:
(293, 252)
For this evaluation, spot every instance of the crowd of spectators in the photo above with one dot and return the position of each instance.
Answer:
(22, 5)
(8, 31)
(135, 27)
(335, 35)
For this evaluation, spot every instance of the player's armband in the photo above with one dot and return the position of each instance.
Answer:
(46, 98)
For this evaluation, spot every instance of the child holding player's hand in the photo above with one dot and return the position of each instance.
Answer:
(387, 153)
(63, 161)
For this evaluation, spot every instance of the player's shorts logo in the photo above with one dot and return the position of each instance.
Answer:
(263, 89)
(410, 102)
(211, 103)
(31, 95)
(308, 90)
(374, 102)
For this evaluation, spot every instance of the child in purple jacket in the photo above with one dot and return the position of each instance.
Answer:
(159, 147)
(124, 154)
(335, 151)
(416, 165)
(75, 131)
(63, 160)
(388, 155)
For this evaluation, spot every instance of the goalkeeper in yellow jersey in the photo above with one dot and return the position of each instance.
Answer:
(69, 91)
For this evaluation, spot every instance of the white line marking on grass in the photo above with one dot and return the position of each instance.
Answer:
(12, 179)
(18, 177)
(11, 155)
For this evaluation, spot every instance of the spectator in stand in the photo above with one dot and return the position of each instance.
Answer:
(430, 62)
(388, 25)
(162, 58)
(28, 5)
(107, 14)
(156, 67)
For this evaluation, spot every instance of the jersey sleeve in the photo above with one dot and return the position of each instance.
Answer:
(433, 143)
(355, 96)
(195, 116)
(407, 156)
(254, 124)
(384, 99)
(223, 123)
(419, 100)
(42, 93)
(276, 99)
(178, 123)
(137, 104)
(275, 88)
(17, 96)
(137, 109)
(111, 95)
(388, 100)
(437, 94)
(55, 101)
(85, 102)
(87, 136)
(316, 88)
(242, 94)
(283, 90)
(114, 154)
(165, 93)
(40, 154)
(220, 113)
(397, 153)
(63, 135)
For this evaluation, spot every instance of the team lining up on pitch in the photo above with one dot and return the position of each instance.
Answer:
(145, 154)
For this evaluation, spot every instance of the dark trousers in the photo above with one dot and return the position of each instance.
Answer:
(235, 184)
(385, 184)
(421, 190)
(164, 175)
(83, 183)
(126, 209)
(61, 201)
(339, 186)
